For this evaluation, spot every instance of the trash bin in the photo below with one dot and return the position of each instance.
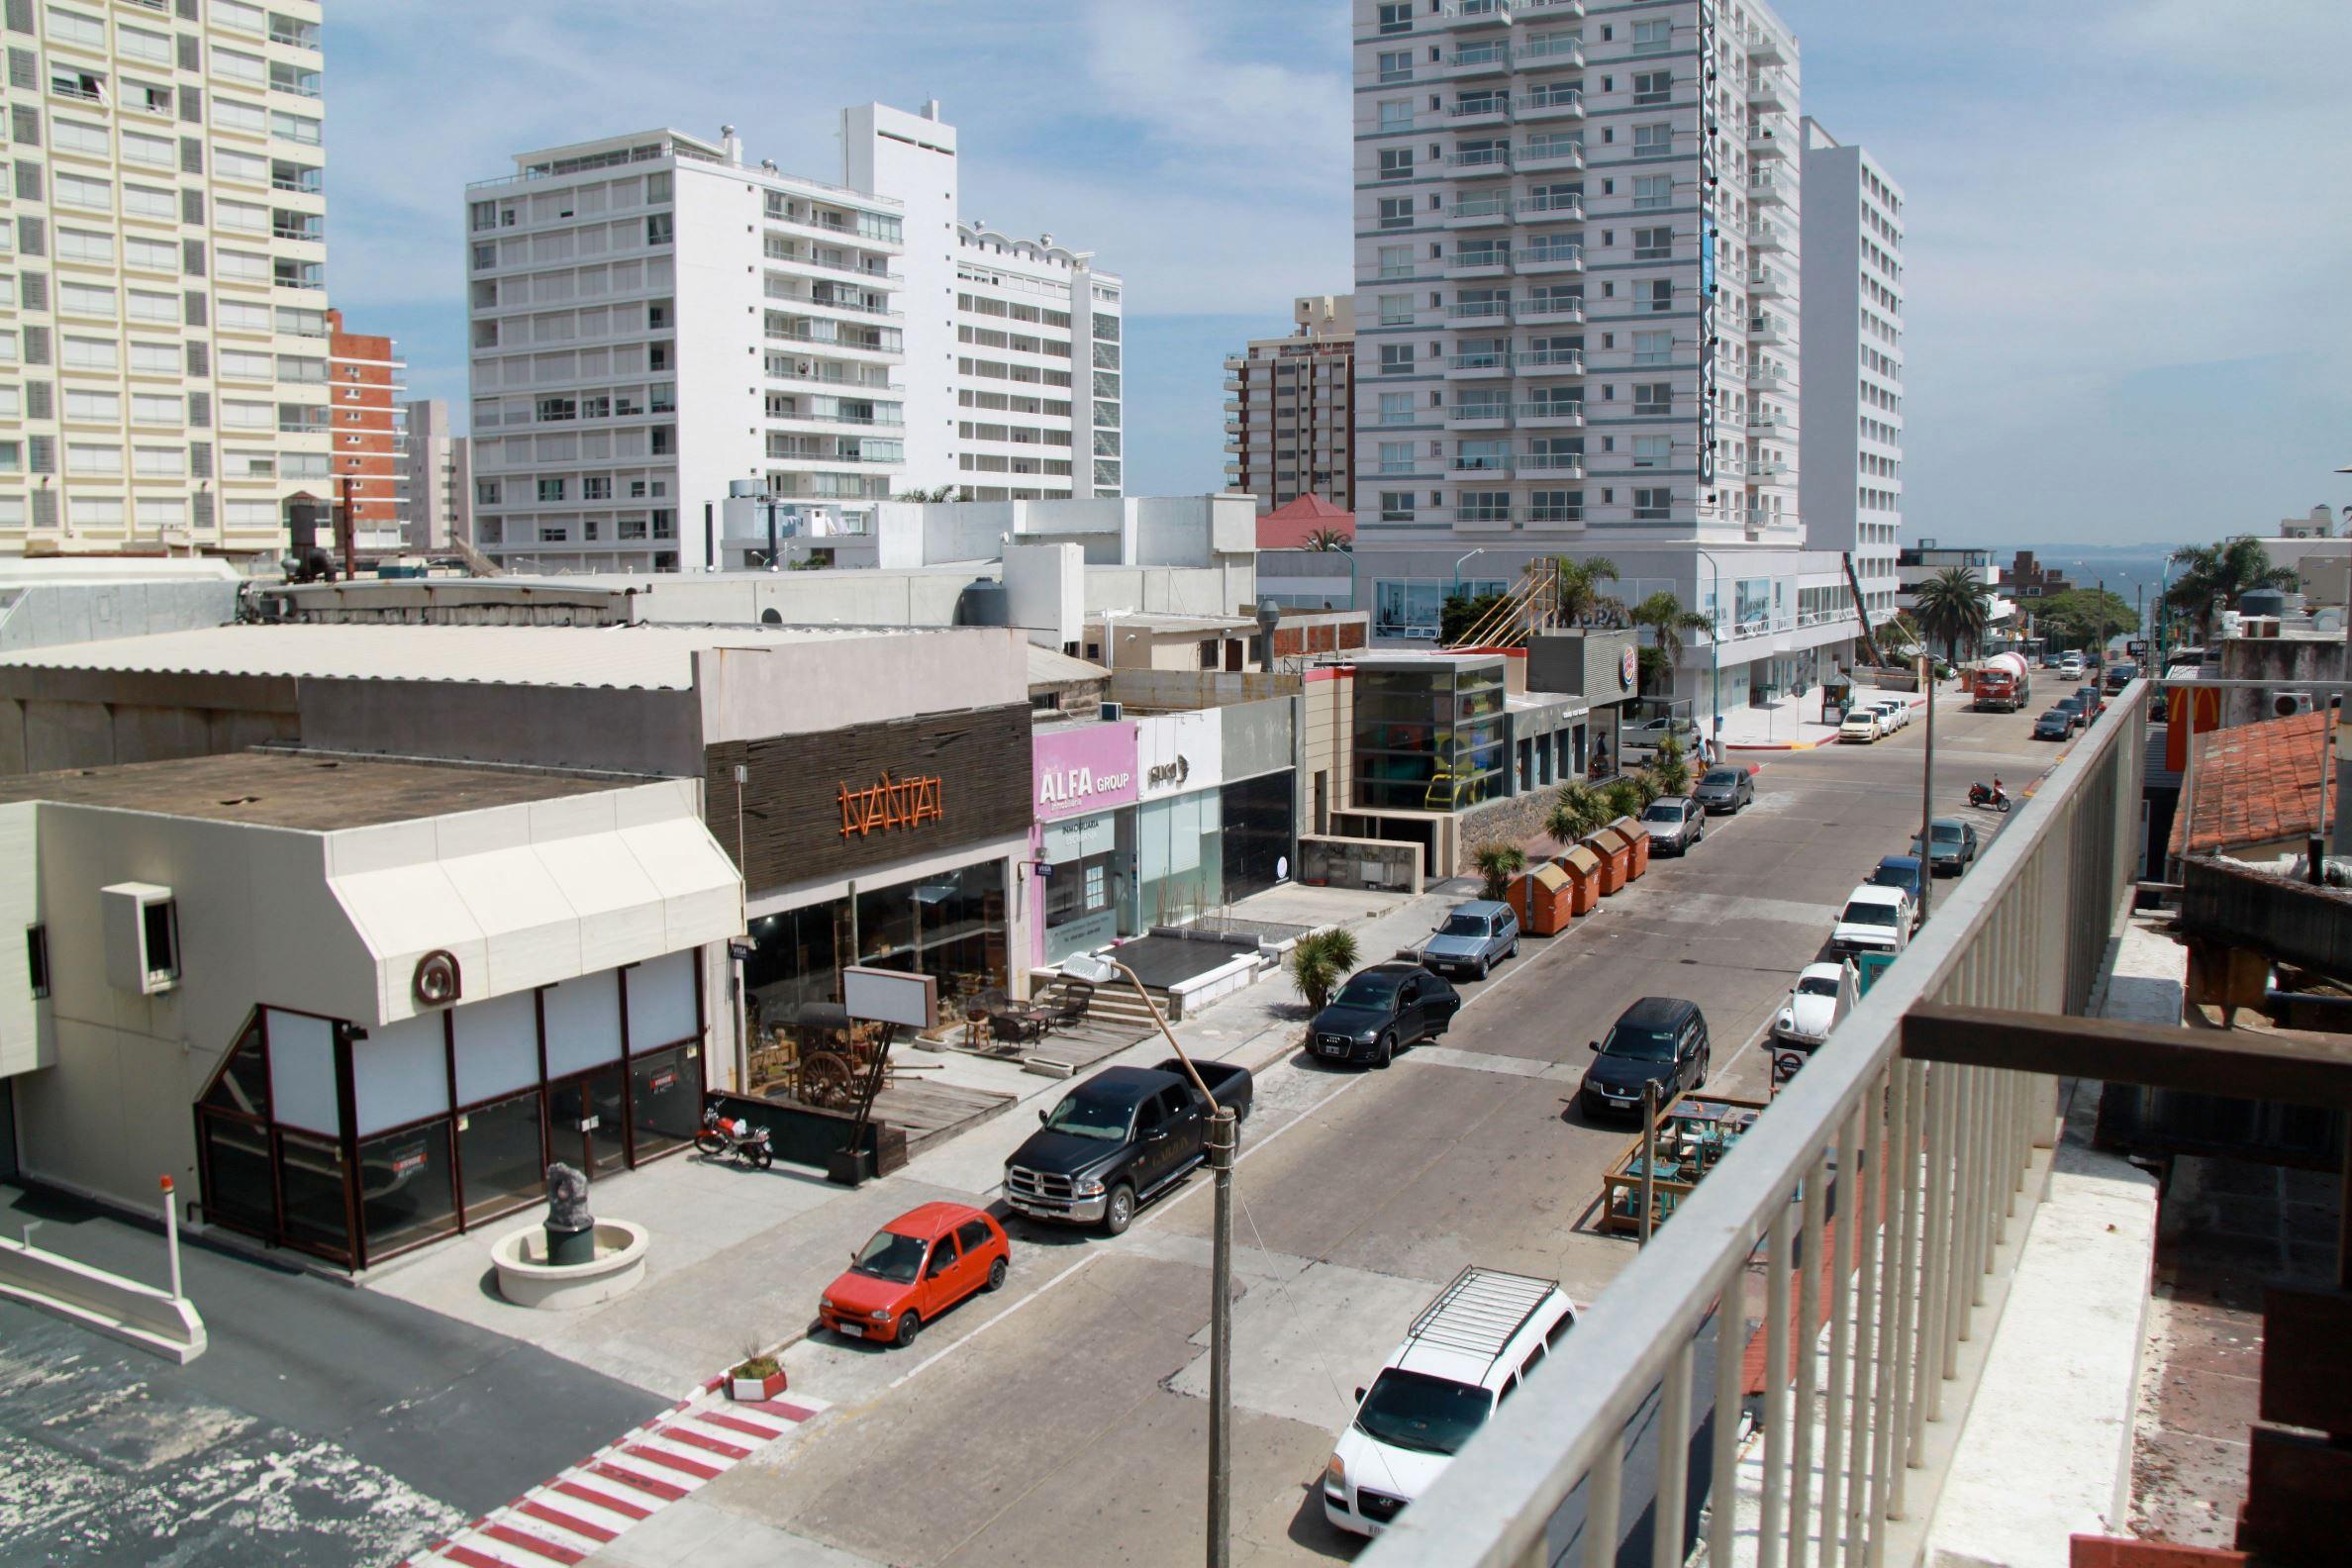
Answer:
(1541, 898)
(1617, 856)
(1582, 867)
(1637, 837)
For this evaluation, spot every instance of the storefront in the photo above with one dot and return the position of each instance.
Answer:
(889, 845)
(354, 1144)
(1430, 732)
(1082, 775)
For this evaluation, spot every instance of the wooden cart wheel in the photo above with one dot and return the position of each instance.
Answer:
(826, 1079)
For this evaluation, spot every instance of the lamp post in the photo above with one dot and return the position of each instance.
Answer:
(1715, 641)
(1457, 572)
(1223, 1137)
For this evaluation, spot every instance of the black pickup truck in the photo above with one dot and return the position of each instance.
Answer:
(1117, 1141)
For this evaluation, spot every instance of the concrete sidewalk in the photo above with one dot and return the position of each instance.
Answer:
(739, 1257)
(1794, 723)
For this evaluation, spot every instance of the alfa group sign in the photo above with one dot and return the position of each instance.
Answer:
(1083, 769)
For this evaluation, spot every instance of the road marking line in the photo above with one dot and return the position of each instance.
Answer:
(570, 1523)
(631, 1512)
(637, 1481)
(523, 1540)
(679, 1431)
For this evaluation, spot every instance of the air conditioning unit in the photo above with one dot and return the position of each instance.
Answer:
(2288, 704)
(1109, 712)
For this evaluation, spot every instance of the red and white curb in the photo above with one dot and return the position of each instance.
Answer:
(636, 1476)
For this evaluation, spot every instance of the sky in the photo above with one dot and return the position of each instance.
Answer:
(2129, 222)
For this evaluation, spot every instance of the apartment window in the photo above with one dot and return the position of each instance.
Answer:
(554, 533)
(1652, 506)
(1653, 141)
(1653, 87)
(1395, 458)
(551, 489)
(1652, 451)
(1396, 505)
(1396, 408)
(1395, 114)
(486, 492)
(36, 966)
(1653, 245)
(1395, 65)
(1394, 18)
(1395, 163)
(145, 201)
(658, 228)
(102, 407)
(1396, 211)
(76, 244)
(1395, 358)
(1555, 506)
(1661, 294)
(92, 354)
(1652, 399)
(154, 409)
(76, 190)
(81, 458)
(596, 488)
(1483, 506)
(1396, 310)
(305, 129)
(1652, 191)
(69, 81)
(1650, 37)
(1395, 261)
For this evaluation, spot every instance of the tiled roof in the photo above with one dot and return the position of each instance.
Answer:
(2256, 784)
(1293, 525)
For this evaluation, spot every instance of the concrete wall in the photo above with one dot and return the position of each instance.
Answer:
(1360, 863)
(26, 1041)
(1586, 663)
(2292, 663)
(810, 598)
(1203, 591)
(1259, 736)
(44, 615)
(1197, 688)
(597, 729)
(748, 694)
(66, 719)
(1045, 591)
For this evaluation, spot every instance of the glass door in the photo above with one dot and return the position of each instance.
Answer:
(586, 1126)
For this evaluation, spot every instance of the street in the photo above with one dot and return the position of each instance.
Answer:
(1063, 1421)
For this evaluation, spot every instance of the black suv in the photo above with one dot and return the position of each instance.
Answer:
(1381, 1011)
(1658, 1039)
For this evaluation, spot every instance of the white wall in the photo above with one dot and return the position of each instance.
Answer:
(21, 1030)
(913, 159)
(1046, 586)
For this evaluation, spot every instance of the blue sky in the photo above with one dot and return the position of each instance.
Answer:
(2131, 220)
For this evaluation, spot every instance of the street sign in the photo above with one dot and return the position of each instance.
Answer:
(890, 996)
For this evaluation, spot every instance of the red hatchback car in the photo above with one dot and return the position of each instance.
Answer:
(915, 1268)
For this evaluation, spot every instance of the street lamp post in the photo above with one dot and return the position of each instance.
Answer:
(1457, 572)
(1714, 643)
(1224, 1138)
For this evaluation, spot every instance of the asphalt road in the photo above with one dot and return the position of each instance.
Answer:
(1063, 1421)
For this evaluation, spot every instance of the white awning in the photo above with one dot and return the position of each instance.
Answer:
(528, 916)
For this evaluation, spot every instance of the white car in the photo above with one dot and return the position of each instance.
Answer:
(1862, 726)
(1896, 713)
(1875, 919)
(1465, 1354)
(1824, 993)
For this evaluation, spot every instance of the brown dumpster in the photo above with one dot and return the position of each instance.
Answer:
(1616, 856)
(1639, 836)
(1582, 867)
(1541, 899)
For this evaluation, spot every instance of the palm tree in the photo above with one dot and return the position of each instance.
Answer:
(1320, 960)
(1579, 810)
(1583, 600)
(1626, 795)
(2220, 571)
(1329, 538)
(1497, 863)
(1672, 772)
(1667, 621)
(1953, 605)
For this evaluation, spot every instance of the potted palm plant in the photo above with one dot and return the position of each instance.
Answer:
(1319, 961)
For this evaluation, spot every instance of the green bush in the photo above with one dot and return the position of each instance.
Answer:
(1496, 864)
(1625, 796)
(1319, 961)
(1579, 810)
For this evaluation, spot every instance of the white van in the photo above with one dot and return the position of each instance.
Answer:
(1465, 1354)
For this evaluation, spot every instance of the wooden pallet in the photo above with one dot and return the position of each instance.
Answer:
(926, 1109)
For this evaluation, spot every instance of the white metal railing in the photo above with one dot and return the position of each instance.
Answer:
(1559, 411)
(1926, 1164)
(1557, 361)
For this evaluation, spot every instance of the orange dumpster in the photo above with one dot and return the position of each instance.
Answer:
(1639, 836)
(1541, 897)
(1582, 867)
(1616, 856)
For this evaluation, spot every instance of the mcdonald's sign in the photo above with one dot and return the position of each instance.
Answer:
(2188, 710)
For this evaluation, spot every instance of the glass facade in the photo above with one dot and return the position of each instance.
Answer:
(1430, 738)
(1179, 858)
(1086, 889)
(951, 924)
(356, 1144)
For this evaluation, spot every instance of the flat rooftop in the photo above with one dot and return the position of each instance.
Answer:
(639, 657)
(278, 789)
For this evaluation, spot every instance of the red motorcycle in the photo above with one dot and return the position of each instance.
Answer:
(721, 1136)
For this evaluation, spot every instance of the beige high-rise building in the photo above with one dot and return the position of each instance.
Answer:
(436, 478)
(1290, 408)
(163, 349)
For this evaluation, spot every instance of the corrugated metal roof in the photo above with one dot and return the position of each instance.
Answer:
(1047, 665)
(634, 657)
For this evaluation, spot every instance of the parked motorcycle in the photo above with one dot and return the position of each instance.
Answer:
(1988, 794)
(725, 1136)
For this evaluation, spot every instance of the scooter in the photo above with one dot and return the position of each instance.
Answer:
(1987, 795)
(735, 1136)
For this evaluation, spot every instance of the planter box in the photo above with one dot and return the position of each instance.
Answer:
(752, 1390)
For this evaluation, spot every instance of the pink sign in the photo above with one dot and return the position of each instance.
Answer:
(1083, 769)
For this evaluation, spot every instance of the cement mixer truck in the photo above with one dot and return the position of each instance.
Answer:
(2003, 684)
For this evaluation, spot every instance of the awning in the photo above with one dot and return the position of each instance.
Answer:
(530, 915)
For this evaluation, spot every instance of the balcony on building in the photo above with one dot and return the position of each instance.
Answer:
(1544, 256)
(1765, 283)
(1551, 53)
(1476, 260)
(1765, 235)
(1481, 364)
(1767, 421)
(1765, 48)
(1566, 310)
(1482, 465)
(1769, 136)
(1484, 210)
(1469, 15)
(1550, 103)
(1545, 363)
(1491, 414)
(1766, 187)
(1557, 414)
(1768, 92)
(1490, 59)
(1484, 162)
(1489, 106)
(1769, 330)
(1551, 152)
(1486, 309)
(1568, 466)
(1552, 210)
(1541, 11)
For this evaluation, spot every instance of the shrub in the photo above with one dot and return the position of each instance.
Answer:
(1579, 810)
(1670, 769)
(1625, 796)
(1496, 864)
(1319, 961)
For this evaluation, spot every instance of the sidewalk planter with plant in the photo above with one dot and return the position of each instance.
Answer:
(1496, 864)
(756, 1377)
(1319, 961)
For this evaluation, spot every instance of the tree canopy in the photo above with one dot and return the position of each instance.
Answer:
(2223, 571)
(2074, 619)
(1953, 605)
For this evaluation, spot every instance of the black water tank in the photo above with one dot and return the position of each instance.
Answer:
(983, 603)
(2262, 602)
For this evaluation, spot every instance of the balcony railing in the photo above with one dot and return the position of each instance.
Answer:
(1553, 361)
(1929, 1167)
(1552, 51)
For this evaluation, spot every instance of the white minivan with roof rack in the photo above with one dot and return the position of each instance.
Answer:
(1465, 1354)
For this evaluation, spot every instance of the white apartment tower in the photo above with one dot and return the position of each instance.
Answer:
(621, 288)
(1290, 408)
(163, 348)
(436, 478)
(1853, 466)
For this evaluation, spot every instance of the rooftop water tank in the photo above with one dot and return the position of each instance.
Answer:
(983, 603)
(2262, 602)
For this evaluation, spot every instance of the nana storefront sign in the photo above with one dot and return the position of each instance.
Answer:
(1083, 769)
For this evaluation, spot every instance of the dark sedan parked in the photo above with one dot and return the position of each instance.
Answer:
(1381, 1011)
(1952, 846)
(1658, 1039)
(1725, 789)
(2056, 723)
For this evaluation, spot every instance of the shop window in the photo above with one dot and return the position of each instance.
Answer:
(406, 1192)
(665, 1099)
(661, 1003)
(505, 1166)
(302, 1088)
(311, 1176)
(238, 1190)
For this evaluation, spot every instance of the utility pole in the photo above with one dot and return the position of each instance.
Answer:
(1927, 795)
(1650, 1158)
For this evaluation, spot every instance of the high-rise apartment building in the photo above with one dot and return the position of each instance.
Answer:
(1290, 408)
(1852, 424)
(436, 478)
(621, 287)
(368, 424)
(1577, 316)
(163, 348)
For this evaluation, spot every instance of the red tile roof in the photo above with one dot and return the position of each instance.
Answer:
(1289, 527)
(2256, 784)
